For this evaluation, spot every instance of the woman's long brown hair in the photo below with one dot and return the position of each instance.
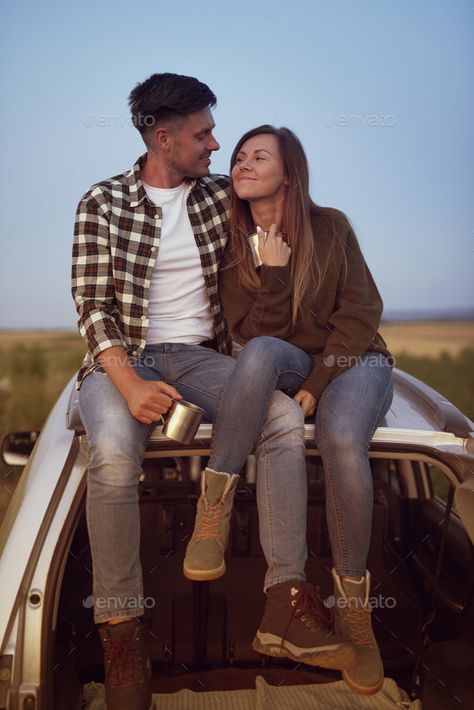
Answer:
(296, 222)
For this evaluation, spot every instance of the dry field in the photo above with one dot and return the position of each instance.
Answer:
(420, 338)
(10, 339)
(429, 338)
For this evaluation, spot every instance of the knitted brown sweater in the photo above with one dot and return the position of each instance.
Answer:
(338, 322)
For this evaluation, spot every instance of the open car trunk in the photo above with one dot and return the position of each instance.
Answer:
(201, 632)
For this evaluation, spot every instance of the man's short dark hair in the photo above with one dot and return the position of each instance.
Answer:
(167, 98)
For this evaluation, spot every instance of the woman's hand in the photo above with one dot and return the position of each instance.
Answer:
(306, 401)
(273, 250)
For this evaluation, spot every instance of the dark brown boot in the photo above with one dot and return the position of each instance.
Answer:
(127, 667)
(297, 625)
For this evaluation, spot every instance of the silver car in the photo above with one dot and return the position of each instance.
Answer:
(420, 560)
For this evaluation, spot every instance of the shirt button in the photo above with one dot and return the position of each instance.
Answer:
(157, 216)
(153, 249)
(134, 353)
(143, 317)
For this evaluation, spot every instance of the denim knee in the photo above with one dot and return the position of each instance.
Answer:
(340, 438)
(285, 419)
(113, 462)
(260, 352)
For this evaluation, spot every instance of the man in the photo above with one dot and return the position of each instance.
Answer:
(145, 257)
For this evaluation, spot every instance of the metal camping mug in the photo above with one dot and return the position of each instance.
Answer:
(182, 421)
(253, 246)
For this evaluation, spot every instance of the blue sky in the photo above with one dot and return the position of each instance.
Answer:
(379, 93)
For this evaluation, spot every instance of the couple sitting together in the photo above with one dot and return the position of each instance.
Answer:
(163, 276)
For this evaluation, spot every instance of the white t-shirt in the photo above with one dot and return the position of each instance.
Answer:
(179, 309)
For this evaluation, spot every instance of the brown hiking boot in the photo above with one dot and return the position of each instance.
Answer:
(353, 622)
(127, 667)
(204, 558)
(296, 625)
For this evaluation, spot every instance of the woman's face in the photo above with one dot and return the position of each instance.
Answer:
(258, 171)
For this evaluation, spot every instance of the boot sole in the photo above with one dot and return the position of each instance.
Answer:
(361, 689)
(335, 657)
(204, 575)
(352, 685)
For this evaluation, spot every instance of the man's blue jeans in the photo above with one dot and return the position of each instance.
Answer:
(350, 409)
(117, 442)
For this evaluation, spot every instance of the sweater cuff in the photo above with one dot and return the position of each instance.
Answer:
(319, 378)
(275, 278)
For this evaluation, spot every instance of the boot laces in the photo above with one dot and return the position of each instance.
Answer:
(123, 662)
(308, 607)
(358, 619)
(210, 519)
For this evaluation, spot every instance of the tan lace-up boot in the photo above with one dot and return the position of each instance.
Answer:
(204, 558)
(353, 622)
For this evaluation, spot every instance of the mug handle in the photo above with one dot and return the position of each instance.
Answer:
(168, 413)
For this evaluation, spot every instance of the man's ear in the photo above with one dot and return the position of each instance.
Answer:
(163, 139)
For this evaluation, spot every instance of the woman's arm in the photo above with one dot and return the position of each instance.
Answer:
(265, 312)
(353, 323)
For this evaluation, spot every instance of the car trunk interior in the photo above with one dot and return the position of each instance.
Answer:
(201, 632)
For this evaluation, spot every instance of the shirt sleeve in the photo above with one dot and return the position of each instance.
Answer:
(92, 278)
(265, 312)
(353, 323)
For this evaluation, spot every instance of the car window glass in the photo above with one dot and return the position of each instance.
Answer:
(439, 483)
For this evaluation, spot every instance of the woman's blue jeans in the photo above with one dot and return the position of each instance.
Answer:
(350, 409)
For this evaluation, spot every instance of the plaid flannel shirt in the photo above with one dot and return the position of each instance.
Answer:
(116, 240)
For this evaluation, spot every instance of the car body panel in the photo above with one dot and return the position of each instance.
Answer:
(31, 508)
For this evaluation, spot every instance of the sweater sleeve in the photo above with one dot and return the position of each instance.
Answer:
(265, 312)
(353, 323)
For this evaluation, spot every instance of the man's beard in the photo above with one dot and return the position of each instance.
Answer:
(191, 171)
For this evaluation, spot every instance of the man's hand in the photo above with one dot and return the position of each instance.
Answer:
(273, 250)
(306, 401)
(148, 400)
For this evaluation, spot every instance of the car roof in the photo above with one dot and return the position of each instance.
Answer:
(417, 406)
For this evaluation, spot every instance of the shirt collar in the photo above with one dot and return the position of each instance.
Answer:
(136, 190)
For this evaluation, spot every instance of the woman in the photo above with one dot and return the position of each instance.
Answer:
(308, 317)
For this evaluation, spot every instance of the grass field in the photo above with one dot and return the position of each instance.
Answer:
(429, 338)
(35, 366)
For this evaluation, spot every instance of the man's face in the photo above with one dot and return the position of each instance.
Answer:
(192, 144)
